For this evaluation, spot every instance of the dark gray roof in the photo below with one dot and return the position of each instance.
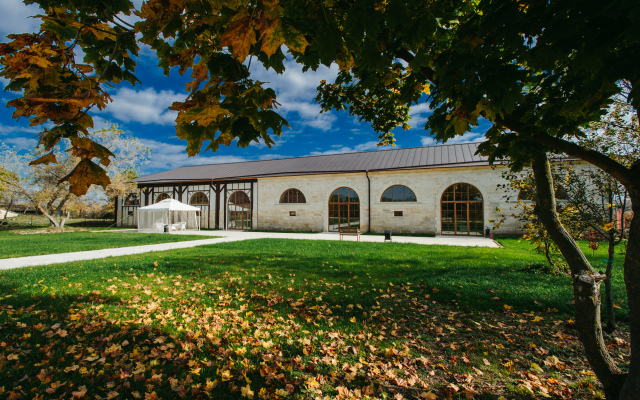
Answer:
(453, 155)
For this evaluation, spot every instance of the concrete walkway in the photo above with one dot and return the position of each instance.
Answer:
(230, 236)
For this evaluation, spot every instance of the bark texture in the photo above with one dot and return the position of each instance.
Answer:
(631, 388)
(611, 314)
(586, 284)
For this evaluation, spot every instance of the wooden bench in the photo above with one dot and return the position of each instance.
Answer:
(350, 232)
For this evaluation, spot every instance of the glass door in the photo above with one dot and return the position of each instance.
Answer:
(344, 209)
(239, 211)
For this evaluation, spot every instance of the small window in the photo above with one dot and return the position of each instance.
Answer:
(398, 193)
(162, 196)
(292, 196)
(397, 213)
(292, 213)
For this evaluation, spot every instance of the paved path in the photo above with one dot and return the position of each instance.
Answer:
(230, 236)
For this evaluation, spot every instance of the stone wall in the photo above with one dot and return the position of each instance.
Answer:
(422, 216)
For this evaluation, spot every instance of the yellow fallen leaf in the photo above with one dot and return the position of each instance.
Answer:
(312, 382)
(537, 368)
(247, 392)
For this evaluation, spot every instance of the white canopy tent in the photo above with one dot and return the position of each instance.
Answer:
(176, 216)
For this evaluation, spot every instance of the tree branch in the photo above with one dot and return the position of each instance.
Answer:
(615, 169)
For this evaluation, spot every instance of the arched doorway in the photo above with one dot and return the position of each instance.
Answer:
(462, 211)
(344, 209)
(239, 211)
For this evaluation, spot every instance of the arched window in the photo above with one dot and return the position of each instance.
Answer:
(162, 196)
(132, 199)
(344, 209)
(199, 198)
(292, 196)
(398, 193)
(462, 212)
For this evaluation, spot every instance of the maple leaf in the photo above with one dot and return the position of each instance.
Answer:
(85, 174)
(46, 159)
(295, 40)
(112, 394)
(240, 35)
(210, 114)
(247, 392)
(272, 37)
(312, 382)
(83, 147)
(226, 375)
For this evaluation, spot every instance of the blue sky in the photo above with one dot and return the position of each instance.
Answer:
(141, 111)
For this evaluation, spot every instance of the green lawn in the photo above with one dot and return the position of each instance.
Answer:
(297, 319)
(15, 243)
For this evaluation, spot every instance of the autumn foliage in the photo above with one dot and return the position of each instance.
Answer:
(289, 319)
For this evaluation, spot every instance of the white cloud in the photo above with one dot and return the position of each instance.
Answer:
(144, 106)
(22, 143)
(165, 156)
(469, 137)
(367, 146)
(4, 82)
(271, 156)
(15, 18)
(419, 114)
(296, 91)
(10, 129)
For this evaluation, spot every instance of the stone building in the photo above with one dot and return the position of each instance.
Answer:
(445, 189)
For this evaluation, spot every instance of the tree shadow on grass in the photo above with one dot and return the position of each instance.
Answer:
(478, 288)
(75, 340)
(115, 344)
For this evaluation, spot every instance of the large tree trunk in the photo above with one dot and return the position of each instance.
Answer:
(611, 314)
(64, 219)
(586, 284)
(631, 388)
(6, 214)
(50, 216)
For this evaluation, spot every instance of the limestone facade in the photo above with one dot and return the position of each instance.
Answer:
(421, 216)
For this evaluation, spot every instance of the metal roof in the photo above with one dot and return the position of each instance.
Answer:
(452, 155)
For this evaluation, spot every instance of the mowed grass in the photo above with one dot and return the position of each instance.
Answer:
(18, 243)
(297, 319)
